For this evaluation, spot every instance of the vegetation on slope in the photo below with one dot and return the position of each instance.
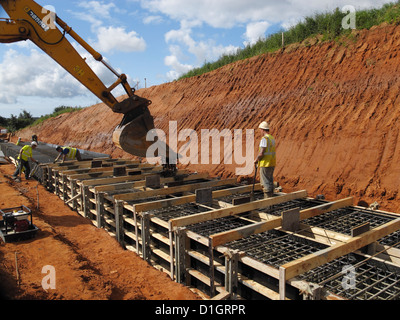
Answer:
(326, 25)
(25, 118)
(57, 111)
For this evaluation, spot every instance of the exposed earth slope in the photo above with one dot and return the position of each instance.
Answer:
(332, 106)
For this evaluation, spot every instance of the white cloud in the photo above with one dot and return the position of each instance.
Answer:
(153, 20)
(177, 67)
(255, 31)
(98, 8)
(34, 75)
(111, 39)
(202, 50)
(256, 15)
(230, 13)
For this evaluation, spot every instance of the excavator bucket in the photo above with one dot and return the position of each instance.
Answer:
(131, 135)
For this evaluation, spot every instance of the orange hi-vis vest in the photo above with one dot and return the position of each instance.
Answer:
(269, 156)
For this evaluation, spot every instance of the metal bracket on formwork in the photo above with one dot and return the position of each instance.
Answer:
(313, 291)
(374, 206)
(119, 221)
(96, 164)
(73, 189)
(119, 171)
(146, 236)
(204, 196)
(135, 222)
(282, 283)
(231, 272)
(291, 220)
(85, 200)
(180, 254)
(153, 181)
(64, 186)
(56, 182)
(359, 230)
(49, 179)
(211, 265)
(99, 196)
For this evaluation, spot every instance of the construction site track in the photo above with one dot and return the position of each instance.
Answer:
(89, 264)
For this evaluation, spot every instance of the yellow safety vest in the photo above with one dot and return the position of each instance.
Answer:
(269, 156)
(26, 153)
(71, 152)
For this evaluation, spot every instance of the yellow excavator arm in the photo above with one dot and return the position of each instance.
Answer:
(30, 21)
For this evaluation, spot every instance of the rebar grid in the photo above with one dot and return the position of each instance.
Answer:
(137, 201)
(258, 195)
(345, 219)
(183, 210)
(228, 223)
(367, 280)
(278, 209)
(208, 228)
(392, 239)
(275, 248)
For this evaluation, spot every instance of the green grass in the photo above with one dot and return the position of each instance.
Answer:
(326, 25)
(57, 111)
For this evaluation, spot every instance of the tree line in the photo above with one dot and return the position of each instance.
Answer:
(25, 118)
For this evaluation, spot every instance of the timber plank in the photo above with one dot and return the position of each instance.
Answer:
(225, 212)
(190, 187)
(275, 222)
(311, 261)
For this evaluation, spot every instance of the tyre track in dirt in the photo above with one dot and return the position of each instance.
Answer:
(89, 263)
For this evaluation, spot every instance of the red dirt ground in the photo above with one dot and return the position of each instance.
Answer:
(89, 263)
(332, 106)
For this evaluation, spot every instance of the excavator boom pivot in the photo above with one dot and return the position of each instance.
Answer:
(28, 21)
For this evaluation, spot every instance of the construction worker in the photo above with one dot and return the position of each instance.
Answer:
(68, 152)
(23, 160)
(266, 160)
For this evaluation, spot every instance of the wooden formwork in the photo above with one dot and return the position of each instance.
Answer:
(161, 219)
(52, 171)
(221, 270)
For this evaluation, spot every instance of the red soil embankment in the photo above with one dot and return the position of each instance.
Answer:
(333, 108)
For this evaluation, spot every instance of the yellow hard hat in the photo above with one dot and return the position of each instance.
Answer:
(264, 125)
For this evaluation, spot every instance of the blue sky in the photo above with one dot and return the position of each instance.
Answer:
(156, 40)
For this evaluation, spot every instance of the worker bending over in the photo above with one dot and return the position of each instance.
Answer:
(266, 160)
(69, 153)
(23, 160)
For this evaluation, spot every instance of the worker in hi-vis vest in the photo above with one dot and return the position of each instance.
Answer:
(266, 160)
(23, 160)
(68, 153)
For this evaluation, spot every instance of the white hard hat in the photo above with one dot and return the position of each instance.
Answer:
(264, 125)
(34, 143)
